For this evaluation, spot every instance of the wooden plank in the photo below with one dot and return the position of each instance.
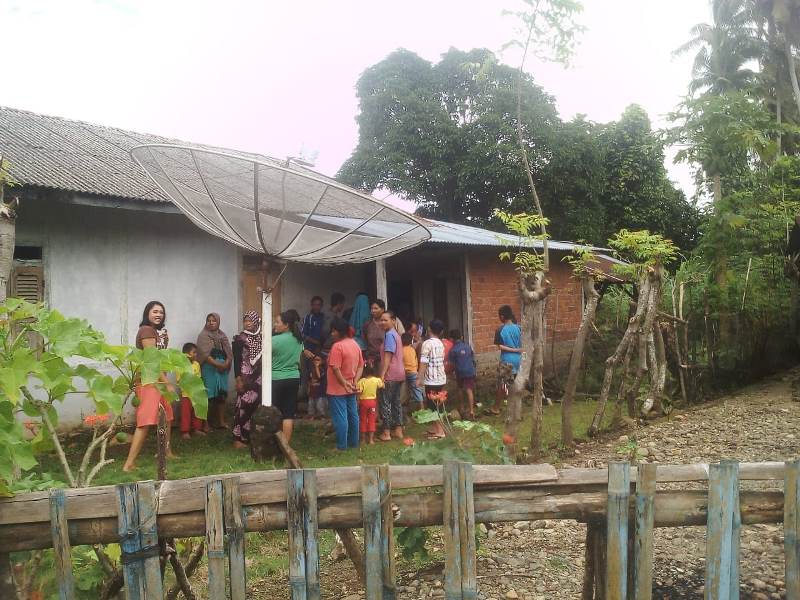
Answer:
(371, 512)
(643, 546)
(138, 539)
(466, 529)
(722, 581)
(451, 533)
(617, 530)
(234, 528)
(215, 540)
(673, 509)
(259, 487)
(130, 541)
(736, 526)
(311, 533)
(600, 560)
(791, 529)
(61, 546)
(389, 575)
(148, 531)
(297, 554)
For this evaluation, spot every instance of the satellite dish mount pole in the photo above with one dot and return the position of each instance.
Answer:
(266, 351)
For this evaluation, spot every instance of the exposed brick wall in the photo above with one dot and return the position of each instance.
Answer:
(494, 283)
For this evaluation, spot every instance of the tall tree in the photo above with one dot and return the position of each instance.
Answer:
(444, 135)
(7, 228)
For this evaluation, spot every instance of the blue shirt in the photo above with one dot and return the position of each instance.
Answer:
(463, 359)
(509, 335)
(312, 327)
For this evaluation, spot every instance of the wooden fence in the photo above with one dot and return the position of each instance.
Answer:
(620, 505)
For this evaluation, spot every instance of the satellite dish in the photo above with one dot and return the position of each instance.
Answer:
(278, 209)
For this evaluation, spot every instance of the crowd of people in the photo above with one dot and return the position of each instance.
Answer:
(351, 365)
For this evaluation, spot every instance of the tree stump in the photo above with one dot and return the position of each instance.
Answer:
(265, 423)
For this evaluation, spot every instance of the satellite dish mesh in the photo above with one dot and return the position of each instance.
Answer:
(268, 207)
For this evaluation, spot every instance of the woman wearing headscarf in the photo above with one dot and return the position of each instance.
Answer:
(214, 353)
(358, 318)
(247, 367)
(152, 334)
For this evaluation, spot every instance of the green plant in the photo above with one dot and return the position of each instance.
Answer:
(629, 450)
(47, 359)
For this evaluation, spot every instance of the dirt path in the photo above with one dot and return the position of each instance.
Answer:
(544, 560)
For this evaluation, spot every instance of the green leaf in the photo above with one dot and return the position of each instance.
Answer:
(426, 416)
(101, 390)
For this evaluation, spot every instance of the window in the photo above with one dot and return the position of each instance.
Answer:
(27, 275)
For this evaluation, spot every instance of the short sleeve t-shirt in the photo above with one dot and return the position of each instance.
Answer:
(145, 333)
(346, 356)
(368, 388)
(392, 343)
(509, 334)
(286, 350)
(432, 355)
(410, 362)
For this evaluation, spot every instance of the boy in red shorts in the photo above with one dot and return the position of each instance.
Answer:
(462, 360)
(368, 387)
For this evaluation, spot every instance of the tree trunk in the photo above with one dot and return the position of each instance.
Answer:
(660, 372)
(537, 379)
(787, 48)
(7, 241)
(589, 310)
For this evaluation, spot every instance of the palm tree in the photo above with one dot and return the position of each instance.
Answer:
(724, 48)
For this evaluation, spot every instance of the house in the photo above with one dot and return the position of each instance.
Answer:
(97, 239)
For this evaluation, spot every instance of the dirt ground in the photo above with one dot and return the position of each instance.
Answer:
(545, 559)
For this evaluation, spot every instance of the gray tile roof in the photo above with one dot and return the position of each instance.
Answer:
(64, 154)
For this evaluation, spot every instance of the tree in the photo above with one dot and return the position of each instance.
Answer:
(444, 135)
(723, 47)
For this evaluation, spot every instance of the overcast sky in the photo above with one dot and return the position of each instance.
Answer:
(278, 77)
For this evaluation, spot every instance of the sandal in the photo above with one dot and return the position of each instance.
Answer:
(435, 436)
(491, 412)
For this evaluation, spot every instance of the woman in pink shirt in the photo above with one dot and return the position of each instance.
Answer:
(345, 365)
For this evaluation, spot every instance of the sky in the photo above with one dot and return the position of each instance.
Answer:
(279, 78)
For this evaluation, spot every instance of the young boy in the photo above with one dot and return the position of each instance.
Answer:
(189, 422)
(411, 365)
(462, 359)
(368, 387)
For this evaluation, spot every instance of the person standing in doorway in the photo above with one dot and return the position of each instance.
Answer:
(358, 319)
(373, 333)
(393, 374)
(152, 334)
(311, 367)
(345, 366)
(215, 356)
(508, 339)
(319, 408)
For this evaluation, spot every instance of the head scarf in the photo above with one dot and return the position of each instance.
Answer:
(252, 339)
(358, 317)
(212, 340)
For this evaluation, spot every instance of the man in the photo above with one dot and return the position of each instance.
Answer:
(508, 339)
(319, 408)
(313, 373)
(393, 374)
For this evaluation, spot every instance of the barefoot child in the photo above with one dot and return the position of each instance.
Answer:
(189, 422)
(462, 359)
(367, 388)
(411, 365)
(432, 375)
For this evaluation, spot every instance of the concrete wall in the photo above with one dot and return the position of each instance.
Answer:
(301, 282)
(105, 264)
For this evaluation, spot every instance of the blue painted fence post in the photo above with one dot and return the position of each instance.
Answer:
(301, 503)
(136, 522)
(791, 528)
(619, 489)
(722, 536)
(371, 514)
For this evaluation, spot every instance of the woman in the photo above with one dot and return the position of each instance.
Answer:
(247, 367)
(373, 334)
(358, 319)
(508, 339)
(214, 353)
(345, 365)
(152, 334)
(287, 346)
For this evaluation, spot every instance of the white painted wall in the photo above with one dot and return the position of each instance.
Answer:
(105, 264)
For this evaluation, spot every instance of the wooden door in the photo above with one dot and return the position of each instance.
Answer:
(255, 275)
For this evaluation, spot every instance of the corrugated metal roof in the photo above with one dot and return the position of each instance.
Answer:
(66, 154)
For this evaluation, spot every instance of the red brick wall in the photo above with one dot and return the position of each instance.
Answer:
(494, 283)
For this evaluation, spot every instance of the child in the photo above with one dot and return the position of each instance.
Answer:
(462, 359)
(431, 374)
(367, 388)
(189, 422)
(411, 365)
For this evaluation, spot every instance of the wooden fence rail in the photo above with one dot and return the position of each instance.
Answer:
(621, 507)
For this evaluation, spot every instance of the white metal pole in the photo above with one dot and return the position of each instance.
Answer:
(266, 348)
